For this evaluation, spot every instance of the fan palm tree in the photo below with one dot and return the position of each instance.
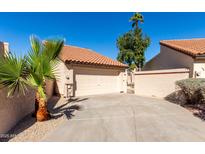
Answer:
(17, 74)
(137, 17)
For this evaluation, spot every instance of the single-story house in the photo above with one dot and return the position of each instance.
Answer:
(180, 54)
(85, 72)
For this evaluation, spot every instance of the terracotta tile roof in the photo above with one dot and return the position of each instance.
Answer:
(192, 47)
(72, 54)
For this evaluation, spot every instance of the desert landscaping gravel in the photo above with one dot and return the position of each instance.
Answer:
(30, 130)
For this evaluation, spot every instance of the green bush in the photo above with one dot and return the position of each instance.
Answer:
(193, 89)
(201, 94)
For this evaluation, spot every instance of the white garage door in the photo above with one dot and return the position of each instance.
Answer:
(90, 81)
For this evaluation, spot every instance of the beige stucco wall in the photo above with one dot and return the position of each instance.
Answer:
(122, 81)
(61, 72)
(199, 68)
(14, 109)
(170, 59)
(159, 83)
(49, 88)
(90, 80)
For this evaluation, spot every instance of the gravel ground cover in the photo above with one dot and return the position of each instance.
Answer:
(30, 130)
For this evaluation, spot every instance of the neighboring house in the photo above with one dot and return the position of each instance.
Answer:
(180, 54)
(84, 72)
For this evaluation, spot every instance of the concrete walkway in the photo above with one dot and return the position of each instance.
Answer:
(126, 117)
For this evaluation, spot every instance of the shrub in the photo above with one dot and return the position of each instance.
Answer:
(201, 94)
(193, 89)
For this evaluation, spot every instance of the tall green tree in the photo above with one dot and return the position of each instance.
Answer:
(17, 73)
(133, 44)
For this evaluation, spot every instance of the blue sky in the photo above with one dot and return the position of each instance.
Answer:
(97, 31)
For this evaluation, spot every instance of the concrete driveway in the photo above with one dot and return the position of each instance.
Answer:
(126, 117)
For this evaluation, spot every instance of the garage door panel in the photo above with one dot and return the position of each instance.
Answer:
(93, 82)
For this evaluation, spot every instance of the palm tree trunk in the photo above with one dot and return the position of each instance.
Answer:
(37, 97)
(42, 112)
(136, 24)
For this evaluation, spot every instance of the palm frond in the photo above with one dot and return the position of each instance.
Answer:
(52, 48)
(36, 45)
(13, 74)
(17, 73)
(137, 17)
(43, 60)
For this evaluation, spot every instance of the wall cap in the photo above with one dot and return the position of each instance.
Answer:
(163, 71)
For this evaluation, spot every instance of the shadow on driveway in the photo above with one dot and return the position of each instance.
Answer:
(57, 108)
